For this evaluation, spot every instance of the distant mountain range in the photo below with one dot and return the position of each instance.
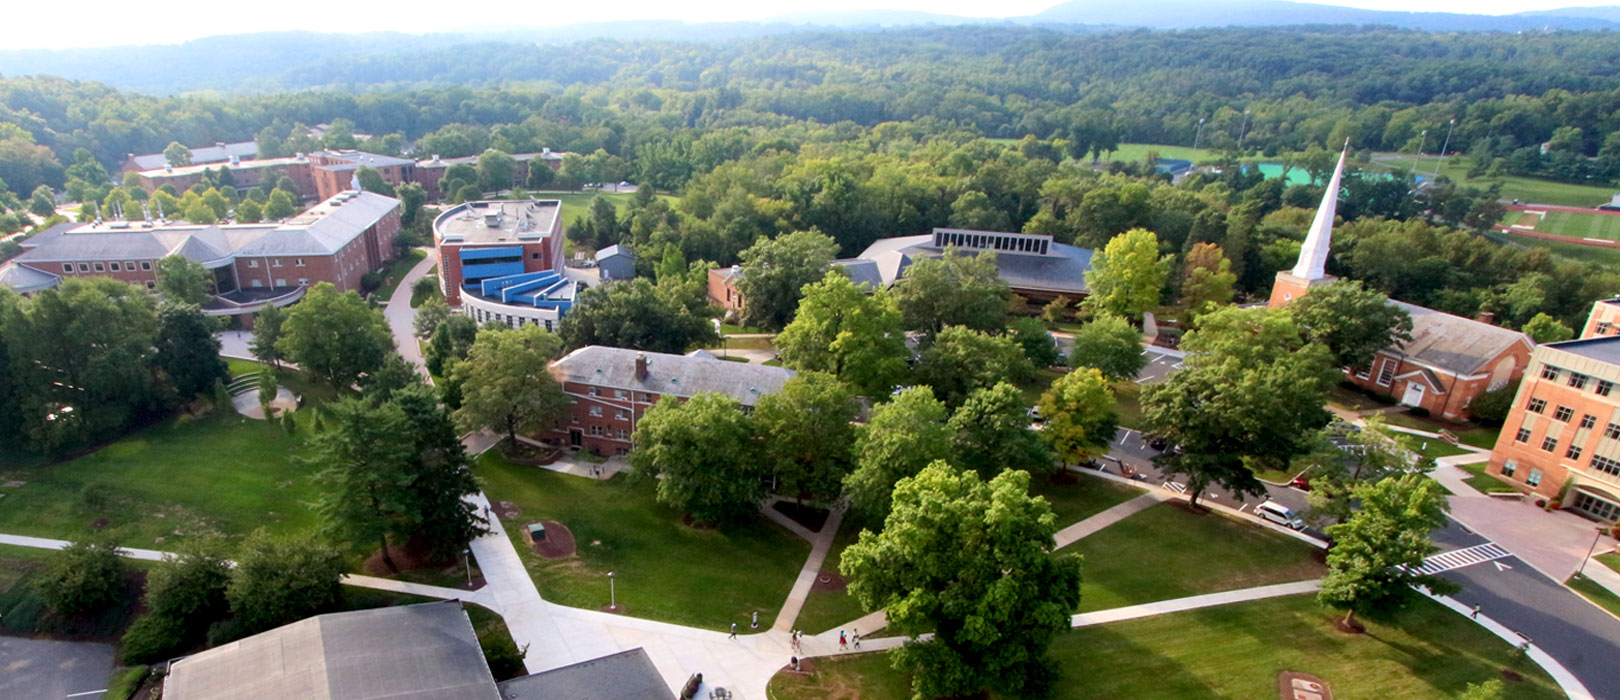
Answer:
(254, 62)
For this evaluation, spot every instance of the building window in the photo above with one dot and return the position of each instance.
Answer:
(1604, 386)
(1536, 406)
(298, 262)
(275, 263)
(1578, 380)
(1605, 465)
(1549, 444)
(594, 391)
(1588, 420)
(84, 267)
(621, 415)
(1573, 453)
(1549, 372)
(67, 267)
(1386, 374)
(1563, 414)
(303, 281)
(596, 430)
(100, 267)
(115, 267)
(1523, 435)
(151, 285)
(1613, 431)
(596, 411)
(146, 264)
(620, 394)
(1604, 327)
(253, 263)
(1509, 467)
(1534, 479)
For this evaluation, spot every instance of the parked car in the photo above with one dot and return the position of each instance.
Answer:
(1280, 514)
(1301, 483)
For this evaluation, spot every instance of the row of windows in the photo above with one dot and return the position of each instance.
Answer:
(1511, 466)
(620, 433)
(1604, 328)
(620, 394)
(1605, 465)
(596, 412)
(1577, 380)
(297, 262)
(115, 266)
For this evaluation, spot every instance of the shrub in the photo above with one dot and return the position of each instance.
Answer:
(1418, 411)
(154, 638)
(1491, 408)
(86, 576)
(278, 580)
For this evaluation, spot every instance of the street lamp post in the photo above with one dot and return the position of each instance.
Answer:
(466, 563)
(613, 596)
(1423, 139)
(1243, 132)
(1198, 134)
(1598, 535)
(1449, 126)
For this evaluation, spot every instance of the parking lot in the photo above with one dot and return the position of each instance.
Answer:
(41, 668)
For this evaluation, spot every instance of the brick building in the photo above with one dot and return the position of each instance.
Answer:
(320, 175)
(336, 241)
(502, 260)
(430, 171)
(1450, 360)
(1603, 320)
(1561, 440)
(611, 389)
(207, 155)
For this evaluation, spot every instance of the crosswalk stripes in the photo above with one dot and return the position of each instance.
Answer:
(1458, 558)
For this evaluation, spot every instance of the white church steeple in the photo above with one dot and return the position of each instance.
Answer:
(1314, 254)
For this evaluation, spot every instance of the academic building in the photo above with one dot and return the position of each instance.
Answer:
(321, 175)
(502, 260)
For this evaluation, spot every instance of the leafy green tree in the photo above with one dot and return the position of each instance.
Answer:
(1488, 690)
(505, 383)
(267, 325)
(1038, 344)
(187, 352)
(176, 154)
(1056, 310)
(282, 579)
(1377, 552)
(191, 585)
(411, 197)
(1207, 281)
(841, 330)
(1353, 322)
(249, 212)
(184, 281)
(961, 361)
(365, 453)
(468, 193)
(200, 214)
(335, 336)
(280, 206)
(495, 170)
(429, 315)
(900, 438)
(775, 270)
(1111, 345)
(807, 432)
(1127, 275)
(639, 315)
(85, 576)
(217, 203)
(1546, 329)
(971, 562)
(1492, 407)
(441, 475)
(43, 201)
(1249, 396)
(990, 433)
(700, 453)
(1081, 415)
(372, 181)
(953, 290)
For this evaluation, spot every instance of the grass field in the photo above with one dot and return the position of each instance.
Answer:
(664, 569)
(1467, 433)
(1525, 189)
(1572, 250)
(1485, 483)
(1168, 552)
(1595, 592)
(396, 270)
(1573, 224)
(1609, 559)
(1236, 651)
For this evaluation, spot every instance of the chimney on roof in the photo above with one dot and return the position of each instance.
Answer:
(168, 168)
(1486, 317)
(641, 366)
(435, 157)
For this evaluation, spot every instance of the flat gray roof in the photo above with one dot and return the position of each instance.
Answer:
(1062, 270)
(1602, 349)
(627, 675)
(205, 154)
(499, 221)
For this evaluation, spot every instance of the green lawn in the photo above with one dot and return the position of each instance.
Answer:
(1168, 552)
(1609, 559)
(1433, 448)
(1469, 433)
(664, 569)
(1088, 496)
(730, 329)
(1038, 385)
(1595, 592)
(743, 344)
(1573, 251)
(1236, 651)
(1137, 152)
(418, 299)
(824, 609)
(1129, 396)
(1350, 399)
(1576, 224)
(218, 473)
(1483, 482)
(1525, 189)
(396, 270)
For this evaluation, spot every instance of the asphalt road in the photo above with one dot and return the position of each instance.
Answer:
(45, 669)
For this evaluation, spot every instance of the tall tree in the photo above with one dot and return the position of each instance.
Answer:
(280, 206)
(372, 181)
(335, 336)
(1249, 394)
(700, 453)
(638, 315)
(441, 474)
(283, 578)
(1207, 281)
(267, 325)
(900, 438)
(842, 330)
(187, 352)
(495, 170)
(807, 430)
(1546, 329)
(990, 433)
(1081, 415)
(776, 270)
(953, 290)
(961, 361)
(85, 576)
(176, 154)
(1353, 322)
(1111, 345)
(506, 384)
(1038, 344)
(1373, 565)
(973, 563)
(184, 281)
(365, 452)
(1127, 275)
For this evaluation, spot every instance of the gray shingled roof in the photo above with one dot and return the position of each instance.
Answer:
(1063, 271)
(676, 375)
(862, 272)
(26, 280)
(627, 675)
(1453, 343)
(409, 652)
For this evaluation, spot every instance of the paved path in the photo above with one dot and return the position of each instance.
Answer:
(570, 463)
(46, 543)
(401, 317)
(820, 544)
(1090, 526)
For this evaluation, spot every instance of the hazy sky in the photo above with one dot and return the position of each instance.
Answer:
(109, 23)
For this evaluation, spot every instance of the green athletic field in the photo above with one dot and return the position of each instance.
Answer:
(1572, 224)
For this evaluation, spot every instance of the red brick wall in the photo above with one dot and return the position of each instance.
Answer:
(600, 434)
(723, 292)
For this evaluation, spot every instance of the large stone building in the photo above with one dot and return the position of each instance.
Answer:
(502, 260)
(611, 388)
(1450, 360)
(336, 241)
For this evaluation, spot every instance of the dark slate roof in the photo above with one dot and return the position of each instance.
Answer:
(862, 272)
(1453, 343)
(1063, 271)
(627, 675)
(408, 652)
(614, 250)
(24, 279)
(675, 375)
(1602, 349)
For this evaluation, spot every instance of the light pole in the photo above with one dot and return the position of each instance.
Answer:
(1449, 126)
(466, 563)
(1198, 134)
(613, 596)
(1423, 138)
(1244, 132)
(1598, 535)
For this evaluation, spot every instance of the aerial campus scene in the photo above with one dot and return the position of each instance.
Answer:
(1238, 349)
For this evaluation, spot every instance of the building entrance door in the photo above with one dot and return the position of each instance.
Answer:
(1596, 507)
(576, 437)
(1414, 394)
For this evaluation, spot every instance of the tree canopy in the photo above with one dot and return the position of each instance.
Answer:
(1111, 345)
(953, 290)
(1127, 275)
(1376, 553)
(1081, 415)
(807, 432)
(1353, 322)
(700, 453)
(506, 384)
(901, 437)
(853, 335)
(335, 336)
(776, 270)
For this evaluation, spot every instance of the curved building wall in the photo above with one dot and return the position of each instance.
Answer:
(483, 310)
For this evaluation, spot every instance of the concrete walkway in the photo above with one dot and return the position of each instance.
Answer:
(1090, 526)
(401, 317)
(572, 464)
(820, 544)
(45, 543)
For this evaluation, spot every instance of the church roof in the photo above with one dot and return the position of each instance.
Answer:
(1453, 343)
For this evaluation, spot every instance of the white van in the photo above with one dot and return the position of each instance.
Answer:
(1279, 514)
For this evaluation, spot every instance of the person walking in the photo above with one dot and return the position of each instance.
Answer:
(733, 631)
(856, 638)
(843, 642)
(1476, 613)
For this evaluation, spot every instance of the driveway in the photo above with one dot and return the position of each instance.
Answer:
(1554, 542)
(42, 668)
(401, 317)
